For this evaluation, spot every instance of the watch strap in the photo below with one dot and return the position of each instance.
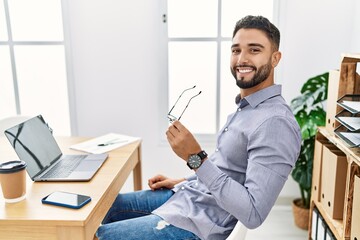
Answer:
(202, 154)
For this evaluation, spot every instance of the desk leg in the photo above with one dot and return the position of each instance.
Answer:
(137, 172)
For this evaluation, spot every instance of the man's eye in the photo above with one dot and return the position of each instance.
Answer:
(255, 50)
(235, 51)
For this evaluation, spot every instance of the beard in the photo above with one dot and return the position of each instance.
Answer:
(261, 75)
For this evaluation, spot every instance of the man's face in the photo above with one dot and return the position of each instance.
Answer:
(251, 58)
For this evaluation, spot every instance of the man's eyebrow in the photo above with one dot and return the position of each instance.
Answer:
(250, 45)
(256, 45)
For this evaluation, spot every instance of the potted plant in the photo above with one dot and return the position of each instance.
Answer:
(309, 112)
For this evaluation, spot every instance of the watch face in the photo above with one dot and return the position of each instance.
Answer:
(194, 161)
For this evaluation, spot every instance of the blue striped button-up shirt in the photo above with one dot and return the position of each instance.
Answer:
(256, 150)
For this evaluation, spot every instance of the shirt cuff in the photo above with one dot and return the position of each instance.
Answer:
(208, 172)
(191, 177)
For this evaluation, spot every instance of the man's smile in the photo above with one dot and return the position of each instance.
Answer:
(244, 70)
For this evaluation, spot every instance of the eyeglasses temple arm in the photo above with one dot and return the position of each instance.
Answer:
(180, 97)
(188, 104)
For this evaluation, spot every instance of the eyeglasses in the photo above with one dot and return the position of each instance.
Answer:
(171, 117)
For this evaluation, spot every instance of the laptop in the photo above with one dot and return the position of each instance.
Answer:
(34, 143)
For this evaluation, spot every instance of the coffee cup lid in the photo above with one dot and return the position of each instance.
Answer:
(12, 166)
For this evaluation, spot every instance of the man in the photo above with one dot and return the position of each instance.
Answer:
(256, 150)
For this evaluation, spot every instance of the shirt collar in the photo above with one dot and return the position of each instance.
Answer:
(258, 97)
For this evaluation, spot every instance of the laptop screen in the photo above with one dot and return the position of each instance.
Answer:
(34, 144)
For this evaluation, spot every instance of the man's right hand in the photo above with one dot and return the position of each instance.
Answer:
(160, 181)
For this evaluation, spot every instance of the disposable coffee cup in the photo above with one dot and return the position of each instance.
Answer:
(13, 180)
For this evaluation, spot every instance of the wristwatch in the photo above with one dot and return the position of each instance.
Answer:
(195, 160)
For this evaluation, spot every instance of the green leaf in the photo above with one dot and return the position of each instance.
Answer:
(316, 86)
(302, 172)
(309, 113)
(313, 92)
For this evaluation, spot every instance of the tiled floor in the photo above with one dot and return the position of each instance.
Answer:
(279, 225)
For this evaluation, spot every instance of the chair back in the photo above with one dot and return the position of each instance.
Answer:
(239, 232)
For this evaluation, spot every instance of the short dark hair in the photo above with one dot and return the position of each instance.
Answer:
(260, 23)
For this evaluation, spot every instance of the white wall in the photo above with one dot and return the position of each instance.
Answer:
(314, 34)
(117, 70)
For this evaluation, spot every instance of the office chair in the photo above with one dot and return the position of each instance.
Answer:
(9, 122)
(239, 232)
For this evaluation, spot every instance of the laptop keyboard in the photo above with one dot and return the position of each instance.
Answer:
(64, 167)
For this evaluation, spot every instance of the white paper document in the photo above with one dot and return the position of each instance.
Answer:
(353, 105)
(104, 143)
(353, 123)
(354, 138)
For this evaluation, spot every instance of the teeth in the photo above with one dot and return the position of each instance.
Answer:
(244, 70)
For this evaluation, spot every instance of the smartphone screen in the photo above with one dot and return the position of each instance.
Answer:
(66, 199)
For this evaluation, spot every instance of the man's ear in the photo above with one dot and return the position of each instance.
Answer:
(275, 58)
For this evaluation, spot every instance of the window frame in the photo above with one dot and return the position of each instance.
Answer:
(207, 139)
(11, 44)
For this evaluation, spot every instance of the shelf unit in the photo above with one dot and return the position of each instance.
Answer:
(339, 227)
(343, 82)
(349, 119)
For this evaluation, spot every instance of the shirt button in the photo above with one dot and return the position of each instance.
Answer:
(239, 109)
(226, 129)
(216, 150)
(182, 188)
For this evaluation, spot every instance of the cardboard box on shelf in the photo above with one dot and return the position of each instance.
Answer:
(333, 181)
(333, 96)
(355, 220)
(317, 165)
(316, 174)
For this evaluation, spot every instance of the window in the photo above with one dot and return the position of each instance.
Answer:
(32, 62)
(199, 34)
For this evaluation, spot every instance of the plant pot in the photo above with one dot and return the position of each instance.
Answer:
(301, 214)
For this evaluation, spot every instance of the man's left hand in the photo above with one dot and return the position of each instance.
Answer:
(182, 141)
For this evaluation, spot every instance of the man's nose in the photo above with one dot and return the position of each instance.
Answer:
(242, 58)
